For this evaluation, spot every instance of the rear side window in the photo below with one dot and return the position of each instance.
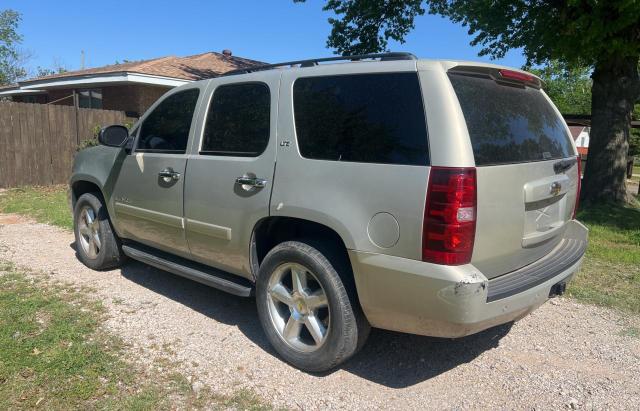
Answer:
(166, 129)
(509, 124)
(371, 118)
(238, 121)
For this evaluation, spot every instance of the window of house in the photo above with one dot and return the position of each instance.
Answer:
(91, 98)
(166, 128)
(238, 121)
(370, 118)
(30, 99)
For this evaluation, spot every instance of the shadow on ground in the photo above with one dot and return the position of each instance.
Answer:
(391, 359)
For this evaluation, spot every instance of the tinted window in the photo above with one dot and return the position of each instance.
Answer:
(238, 121)
(509, 124)
(372, 118)
(166, 129)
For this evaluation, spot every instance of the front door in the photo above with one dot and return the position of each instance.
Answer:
(148, 193)
(229, 177)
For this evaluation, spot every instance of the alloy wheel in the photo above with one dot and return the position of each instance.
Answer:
(89, 229)
(298, 307)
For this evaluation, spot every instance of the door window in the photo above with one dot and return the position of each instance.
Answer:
(238, 121)
(166, 129)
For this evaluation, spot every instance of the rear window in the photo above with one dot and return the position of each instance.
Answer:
(509, 124)
(370, 118)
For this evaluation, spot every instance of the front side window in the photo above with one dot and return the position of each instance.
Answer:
(371, 118)
(166, 129)
(90, 98)
(238, 121)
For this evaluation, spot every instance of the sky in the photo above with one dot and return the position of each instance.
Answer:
(56, 33)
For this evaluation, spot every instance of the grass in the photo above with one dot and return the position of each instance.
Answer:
(48, 205)
(54, 355)
(610, 275)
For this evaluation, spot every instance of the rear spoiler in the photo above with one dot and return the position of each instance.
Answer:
(499, 75)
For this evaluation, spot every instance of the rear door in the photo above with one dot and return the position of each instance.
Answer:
(230, 174)
(526, 167)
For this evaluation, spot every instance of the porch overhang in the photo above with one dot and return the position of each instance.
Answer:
(99, 80)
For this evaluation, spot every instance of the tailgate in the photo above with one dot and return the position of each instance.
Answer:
(527, 173)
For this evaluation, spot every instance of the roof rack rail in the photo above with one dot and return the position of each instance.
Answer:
(315, 62)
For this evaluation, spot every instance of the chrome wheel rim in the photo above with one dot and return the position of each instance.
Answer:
(89, 230)
(298, 307)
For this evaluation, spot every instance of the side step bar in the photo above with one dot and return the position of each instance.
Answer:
(191, 270)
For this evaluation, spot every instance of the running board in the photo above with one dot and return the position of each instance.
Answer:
(197, 272)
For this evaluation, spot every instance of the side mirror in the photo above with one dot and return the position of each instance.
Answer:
(113, 136)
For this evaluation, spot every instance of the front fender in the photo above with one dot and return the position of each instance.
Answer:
(100, 166)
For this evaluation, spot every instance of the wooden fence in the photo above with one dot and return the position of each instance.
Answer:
(38, 141)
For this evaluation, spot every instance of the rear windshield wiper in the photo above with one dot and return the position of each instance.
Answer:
(564, 165)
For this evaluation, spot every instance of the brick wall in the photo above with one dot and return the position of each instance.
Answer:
(34, 98)
(57, 94)
(135, 98)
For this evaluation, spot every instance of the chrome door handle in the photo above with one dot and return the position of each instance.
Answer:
(169, 175)
(247, 181)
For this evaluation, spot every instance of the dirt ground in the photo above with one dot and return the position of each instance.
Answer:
(563, 355)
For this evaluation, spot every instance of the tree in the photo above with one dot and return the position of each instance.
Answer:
(47, 71)
(568, 87)
(10, 57)
(601, 35)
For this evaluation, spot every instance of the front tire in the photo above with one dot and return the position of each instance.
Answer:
(305, 308)
(97, 246)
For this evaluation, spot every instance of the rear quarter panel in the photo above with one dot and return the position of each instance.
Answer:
(345, 196)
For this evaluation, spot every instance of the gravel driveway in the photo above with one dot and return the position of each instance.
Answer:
(563, 355)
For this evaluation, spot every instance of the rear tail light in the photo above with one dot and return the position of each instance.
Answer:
(579, 184)
(449, 226)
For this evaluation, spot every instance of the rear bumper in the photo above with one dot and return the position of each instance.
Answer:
(453, 301)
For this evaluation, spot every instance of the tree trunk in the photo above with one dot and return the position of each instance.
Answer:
(616, 87)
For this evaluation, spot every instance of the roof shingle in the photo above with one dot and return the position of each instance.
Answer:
(196, 67)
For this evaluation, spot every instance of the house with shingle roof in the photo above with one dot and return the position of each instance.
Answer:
(580, 135)
(131, 86)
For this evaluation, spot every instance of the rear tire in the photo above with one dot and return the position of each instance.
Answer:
(97, 246)
(311, 319)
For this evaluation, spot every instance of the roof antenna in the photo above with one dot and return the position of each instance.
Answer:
(81, 59)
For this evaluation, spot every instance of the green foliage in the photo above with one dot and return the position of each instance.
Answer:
(366, 25)
(44, 204)
(46, 71)
(578, 32)
(55, 356)
(10, 67)
(568, 87)
(610, 275)
(91, 141)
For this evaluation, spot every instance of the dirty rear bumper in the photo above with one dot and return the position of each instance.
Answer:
(447, 301)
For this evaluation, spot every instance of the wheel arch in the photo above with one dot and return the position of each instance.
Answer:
(271, 231)
(81, 185)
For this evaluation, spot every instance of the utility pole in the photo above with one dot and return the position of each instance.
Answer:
(81, 59)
